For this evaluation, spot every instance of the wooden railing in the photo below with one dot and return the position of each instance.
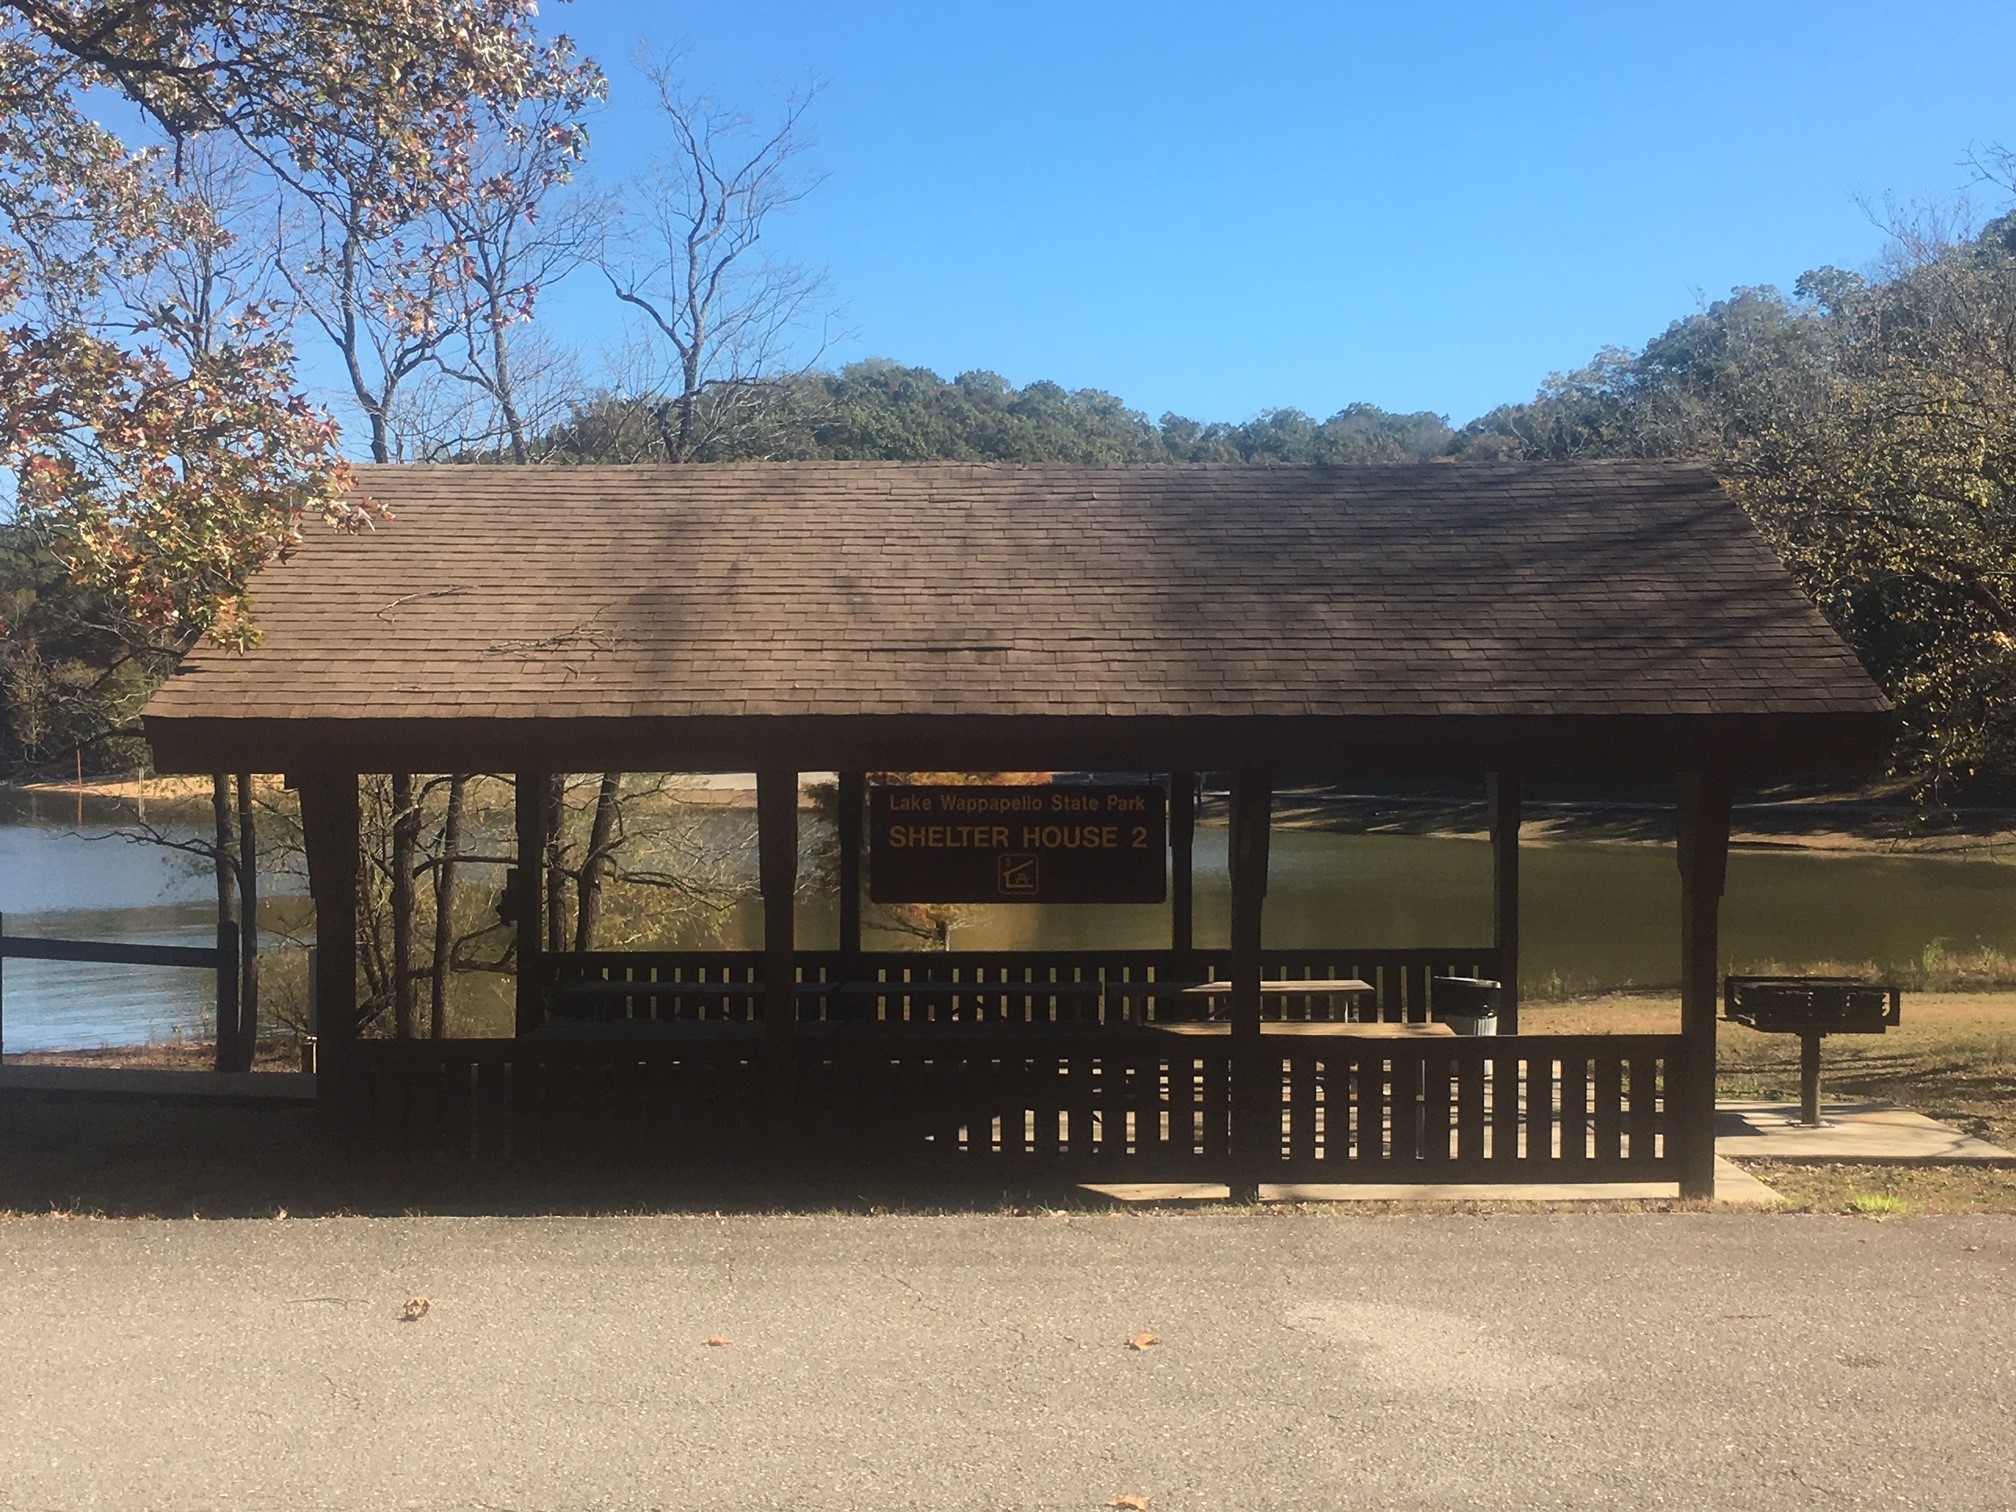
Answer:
(1060, 987)
(1091, 1104)
(1496, 1108)
(221, 959)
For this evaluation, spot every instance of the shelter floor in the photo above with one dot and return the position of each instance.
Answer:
(1733, 1186)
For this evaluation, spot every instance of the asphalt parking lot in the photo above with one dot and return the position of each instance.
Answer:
(1307, 1359)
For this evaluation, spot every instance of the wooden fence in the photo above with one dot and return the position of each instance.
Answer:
(1090, 1104)
(221, 958)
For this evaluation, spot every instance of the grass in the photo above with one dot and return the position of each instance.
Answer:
(1871, 1190)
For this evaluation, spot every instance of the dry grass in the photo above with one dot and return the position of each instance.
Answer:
(173, 1054)
(1952, 1058)
(1815, 1188)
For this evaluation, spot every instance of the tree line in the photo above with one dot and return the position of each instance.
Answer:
(1867, 422)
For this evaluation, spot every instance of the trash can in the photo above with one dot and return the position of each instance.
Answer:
(1468, 1005)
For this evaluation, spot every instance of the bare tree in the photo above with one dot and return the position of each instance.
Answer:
(728, 327)
(522, 228)
(732, 326)
(375, 288)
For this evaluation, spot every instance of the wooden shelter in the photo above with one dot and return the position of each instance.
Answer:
(1506, 620)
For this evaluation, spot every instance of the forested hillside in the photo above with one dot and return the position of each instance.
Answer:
(880, 410)
(1869, 425)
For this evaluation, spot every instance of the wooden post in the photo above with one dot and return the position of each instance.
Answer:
(230, 1021)
(1501, 796)
(1705, 799)
(1182, 873)
(777, 862)
(528, 897)
(3, 998)
(847, 819)
(1256, 1085)
(329, 833)
(248, 925)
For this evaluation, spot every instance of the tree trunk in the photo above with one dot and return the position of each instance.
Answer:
(444, 909)
(225, 1057)
(248, 924)
(405, 847)
(595, 864)
(556, 855)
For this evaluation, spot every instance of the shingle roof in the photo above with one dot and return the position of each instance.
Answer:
(1603, 588)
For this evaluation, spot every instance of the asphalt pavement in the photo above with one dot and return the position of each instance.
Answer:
(1304, 1360)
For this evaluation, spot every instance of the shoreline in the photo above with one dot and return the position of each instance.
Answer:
(1833, 823)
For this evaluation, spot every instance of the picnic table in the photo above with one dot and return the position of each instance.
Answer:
(564, 1000)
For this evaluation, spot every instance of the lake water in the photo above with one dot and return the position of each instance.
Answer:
(1596, 913)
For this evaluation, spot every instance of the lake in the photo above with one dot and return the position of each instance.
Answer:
(1597, 914)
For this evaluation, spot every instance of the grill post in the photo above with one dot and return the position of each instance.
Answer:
(1809, 1078)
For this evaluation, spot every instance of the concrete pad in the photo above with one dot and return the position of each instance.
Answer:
(1733, 1185)
(1861, 1133)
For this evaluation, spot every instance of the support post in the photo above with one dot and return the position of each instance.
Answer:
(777, 861)
(1256, 1084)
(1501, 796)
(248, 925)
(528, 897)
(3, 1000)
(329, 821)
(230, 1024)
(1182, 871)
(1705, 799)
(847, 820)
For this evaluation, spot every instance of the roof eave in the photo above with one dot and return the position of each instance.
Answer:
(1840, 741)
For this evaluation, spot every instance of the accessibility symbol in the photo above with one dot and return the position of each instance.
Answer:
(1015, 875)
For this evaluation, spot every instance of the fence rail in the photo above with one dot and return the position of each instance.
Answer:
(1091, 1104)
(221, 958)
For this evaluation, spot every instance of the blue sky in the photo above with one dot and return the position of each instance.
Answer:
(1215, 209)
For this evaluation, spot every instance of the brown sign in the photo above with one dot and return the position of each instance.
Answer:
(1058, 843)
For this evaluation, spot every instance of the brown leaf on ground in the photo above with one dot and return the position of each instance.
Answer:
(1130, 1501)
(416, 1309)
(1144, 1341)
(715, 1341)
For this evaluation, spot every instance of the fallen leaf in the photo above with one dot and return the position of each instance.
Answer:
(1144, 1341)
(715, 1341)
(416, 1309)
(1130, 1501)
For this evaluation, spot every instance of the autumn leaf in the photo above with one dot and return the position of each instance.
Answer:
(1131, 1501)
(416, 1309)
(1144, 1341)
(715, 1341)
